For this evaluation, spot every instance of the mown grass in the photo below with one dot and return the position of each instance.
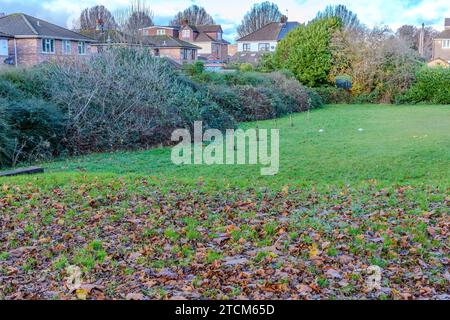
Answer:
(398, 144)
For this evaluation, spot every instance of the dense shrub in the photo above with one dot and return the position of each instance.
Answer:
(125, 99)
(35, 128)
(291, 88)
(5, 138)
(306, 51)
(246, 67)
(29, 82)
(228, 100)
(9, 90)
(432, 86)
(333, 95)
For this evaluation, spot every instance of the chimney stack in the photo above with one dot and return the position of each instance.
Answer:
(100, 25)
(422, 41)
(185, 22)
(447, 23)
(283, 19)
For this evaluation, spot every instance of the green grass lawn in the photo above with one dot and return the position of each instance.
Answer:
(139, 226)
(399, 144)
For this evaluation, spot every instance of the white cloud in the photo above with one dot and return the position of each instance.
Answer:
(229, 13)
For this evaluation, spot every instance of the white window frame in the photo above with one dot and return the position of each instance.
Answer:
(48, 46)
(161, 32)
(2, 42)
(246, 47)
(265, 47)
(186, 33)
(446, 44)
(81, 48)
(66, 47)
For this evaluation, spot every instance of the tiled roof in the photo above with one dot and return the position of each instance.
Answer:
(443, 35)
(22, 25)
(209, 28)
(286, 28)
(5, 35)
(169, 42)
(274, 31)
(447, 22)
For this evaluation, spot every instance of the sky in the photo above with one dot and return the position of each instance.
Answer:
(229, 13)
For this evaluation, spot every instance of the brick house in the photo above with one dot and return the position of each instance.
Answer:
(208, 38)
(252, 46)
(441, 46)
(161, 45)
(36, 41)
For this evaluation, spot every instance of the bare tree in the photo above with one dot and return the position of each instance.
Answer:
(411, 36)
(137, 16)
(260, 15)
(195, 15)
(349, 19)
(90, 17)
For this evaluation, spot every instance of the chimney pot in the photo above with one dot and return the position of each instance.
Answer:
(283, 19)
(185, 22)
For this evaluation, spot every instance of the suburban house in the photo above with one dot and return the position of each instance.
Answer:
(159, 44)
(208, 38)
(266, 38)
(441, 47)
(32, 41)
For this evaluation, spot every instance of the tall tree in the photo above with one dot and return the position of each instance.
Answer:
(411, 36)
(349, 19)
(137, 16)
(306, 51)
(89, 17)
(194, 14)
(259, 15)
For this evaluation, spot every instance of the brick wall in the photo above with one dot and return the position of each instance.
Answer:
(439, 52)
(176, 54)
(29, 51)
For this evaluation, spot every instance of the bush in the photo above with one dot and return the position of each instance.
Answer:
(333, 95)
(9, 90)
(228, 100)
(196, 68)
(432, 86)
(35, 127)
(245, 67)
(292, 89)
(125, 99)
(6, 143)
(29, 82)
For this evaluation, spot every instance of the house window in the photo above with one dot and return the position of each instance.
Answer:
(48, 45)
(246, 47)
(264, 47)
(66, 47)
(184, 54)
(160, 32)
(446, 44)
(186, 33)
(81, 47)
(193, 54)
(219, 36)
(3, 47)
